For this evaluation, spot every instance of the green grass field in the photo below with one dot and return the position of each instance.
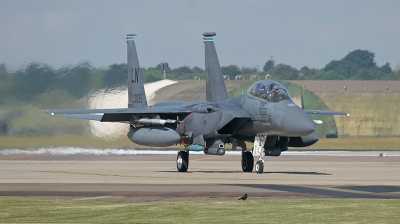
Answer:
(33, 210)
(357, 143)
(371, 114)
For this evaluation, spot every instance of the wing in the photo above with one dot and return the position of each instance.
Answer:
(326, 112)
(85, 116)
(122, 114)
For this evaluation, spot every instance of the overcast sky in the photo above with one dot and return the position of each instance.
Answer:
(297, 33)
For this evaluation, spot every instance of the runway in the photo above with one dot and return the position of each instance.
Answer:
(307, 174)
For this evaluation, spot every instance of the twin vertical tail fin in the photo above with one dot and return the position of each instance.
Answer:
(215, 85)
(136, 94)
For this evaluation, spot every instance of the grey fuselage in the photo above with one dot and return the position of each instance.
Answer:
(245, 116)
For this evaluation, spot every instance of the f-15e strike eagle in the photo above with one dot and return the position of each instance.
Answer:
(265, 115)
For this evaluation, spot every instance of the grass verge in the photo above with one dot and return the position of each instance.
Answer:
(32, 210)
(67, 140)
(357, 143)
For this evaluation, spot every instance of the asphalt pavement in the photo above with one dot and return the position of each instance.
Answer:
(310, 174)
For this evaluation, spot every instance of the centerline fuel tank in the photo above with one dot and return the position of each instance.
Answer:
(154, 136)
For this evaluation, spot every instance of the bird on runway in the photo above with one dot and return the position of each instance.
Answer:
(244, 197)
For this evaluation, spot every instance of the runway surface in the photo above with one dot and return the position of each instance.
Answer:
(308, 174)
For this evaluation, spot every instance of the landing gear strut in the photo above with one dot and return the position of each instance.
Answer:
(258, 149)
(182, 161)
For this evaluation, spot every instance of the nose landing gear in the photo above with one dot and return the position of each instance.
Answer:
(258, 149)
(259, 167)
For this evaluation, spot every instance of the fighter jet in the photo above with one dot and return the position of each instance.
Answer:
(264, 115)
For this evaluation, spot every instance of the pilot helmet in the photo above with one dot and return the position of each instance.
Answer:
(261, 88)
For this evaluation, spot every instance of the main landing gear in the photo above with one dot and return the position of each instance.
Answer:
(247, 156)
(182, 161)
(247, 161)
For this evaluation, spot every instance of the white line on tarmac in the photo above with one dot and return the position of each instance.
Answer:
(94, 151)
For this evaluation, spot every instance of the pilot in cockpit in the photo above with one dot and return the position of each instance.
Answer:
(275, 89)
(262, 91)
(274, 94)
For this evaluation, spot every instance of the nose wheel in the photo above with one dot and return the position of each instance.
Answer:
(259, 167)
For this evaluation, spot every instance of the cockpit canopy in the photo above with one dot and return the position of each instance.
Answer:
(269, 90)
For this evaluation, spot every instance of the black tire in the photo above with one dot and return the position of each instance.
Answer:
(182, 161)
(247, 161)
(259, 167)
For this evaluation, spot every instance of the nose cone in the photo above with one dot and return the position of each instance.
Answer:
(296, 122)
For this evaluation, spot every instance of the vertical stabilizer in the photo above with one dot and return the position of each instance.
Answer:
(136, 94)
(215, 85)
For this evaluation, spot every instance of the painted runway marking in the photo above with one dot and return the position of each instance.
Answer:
(100, 174)
(93, 151)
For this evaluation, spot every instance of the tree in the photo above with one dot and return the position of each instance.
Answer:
(307, 73)
(183, 70)
(116, 75)
(362, 58)
(3, 72)
(76, 79)
(248, 70)
(150, 78)
(5, 83)
(197, 70)
(269, 65)
(232, 71)
(32, 80)
(287, 72)
(386, 68)
(358, 64)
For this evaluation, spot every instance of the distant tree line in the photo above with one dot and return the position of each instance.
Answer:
(78, 80)
(357, 65)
